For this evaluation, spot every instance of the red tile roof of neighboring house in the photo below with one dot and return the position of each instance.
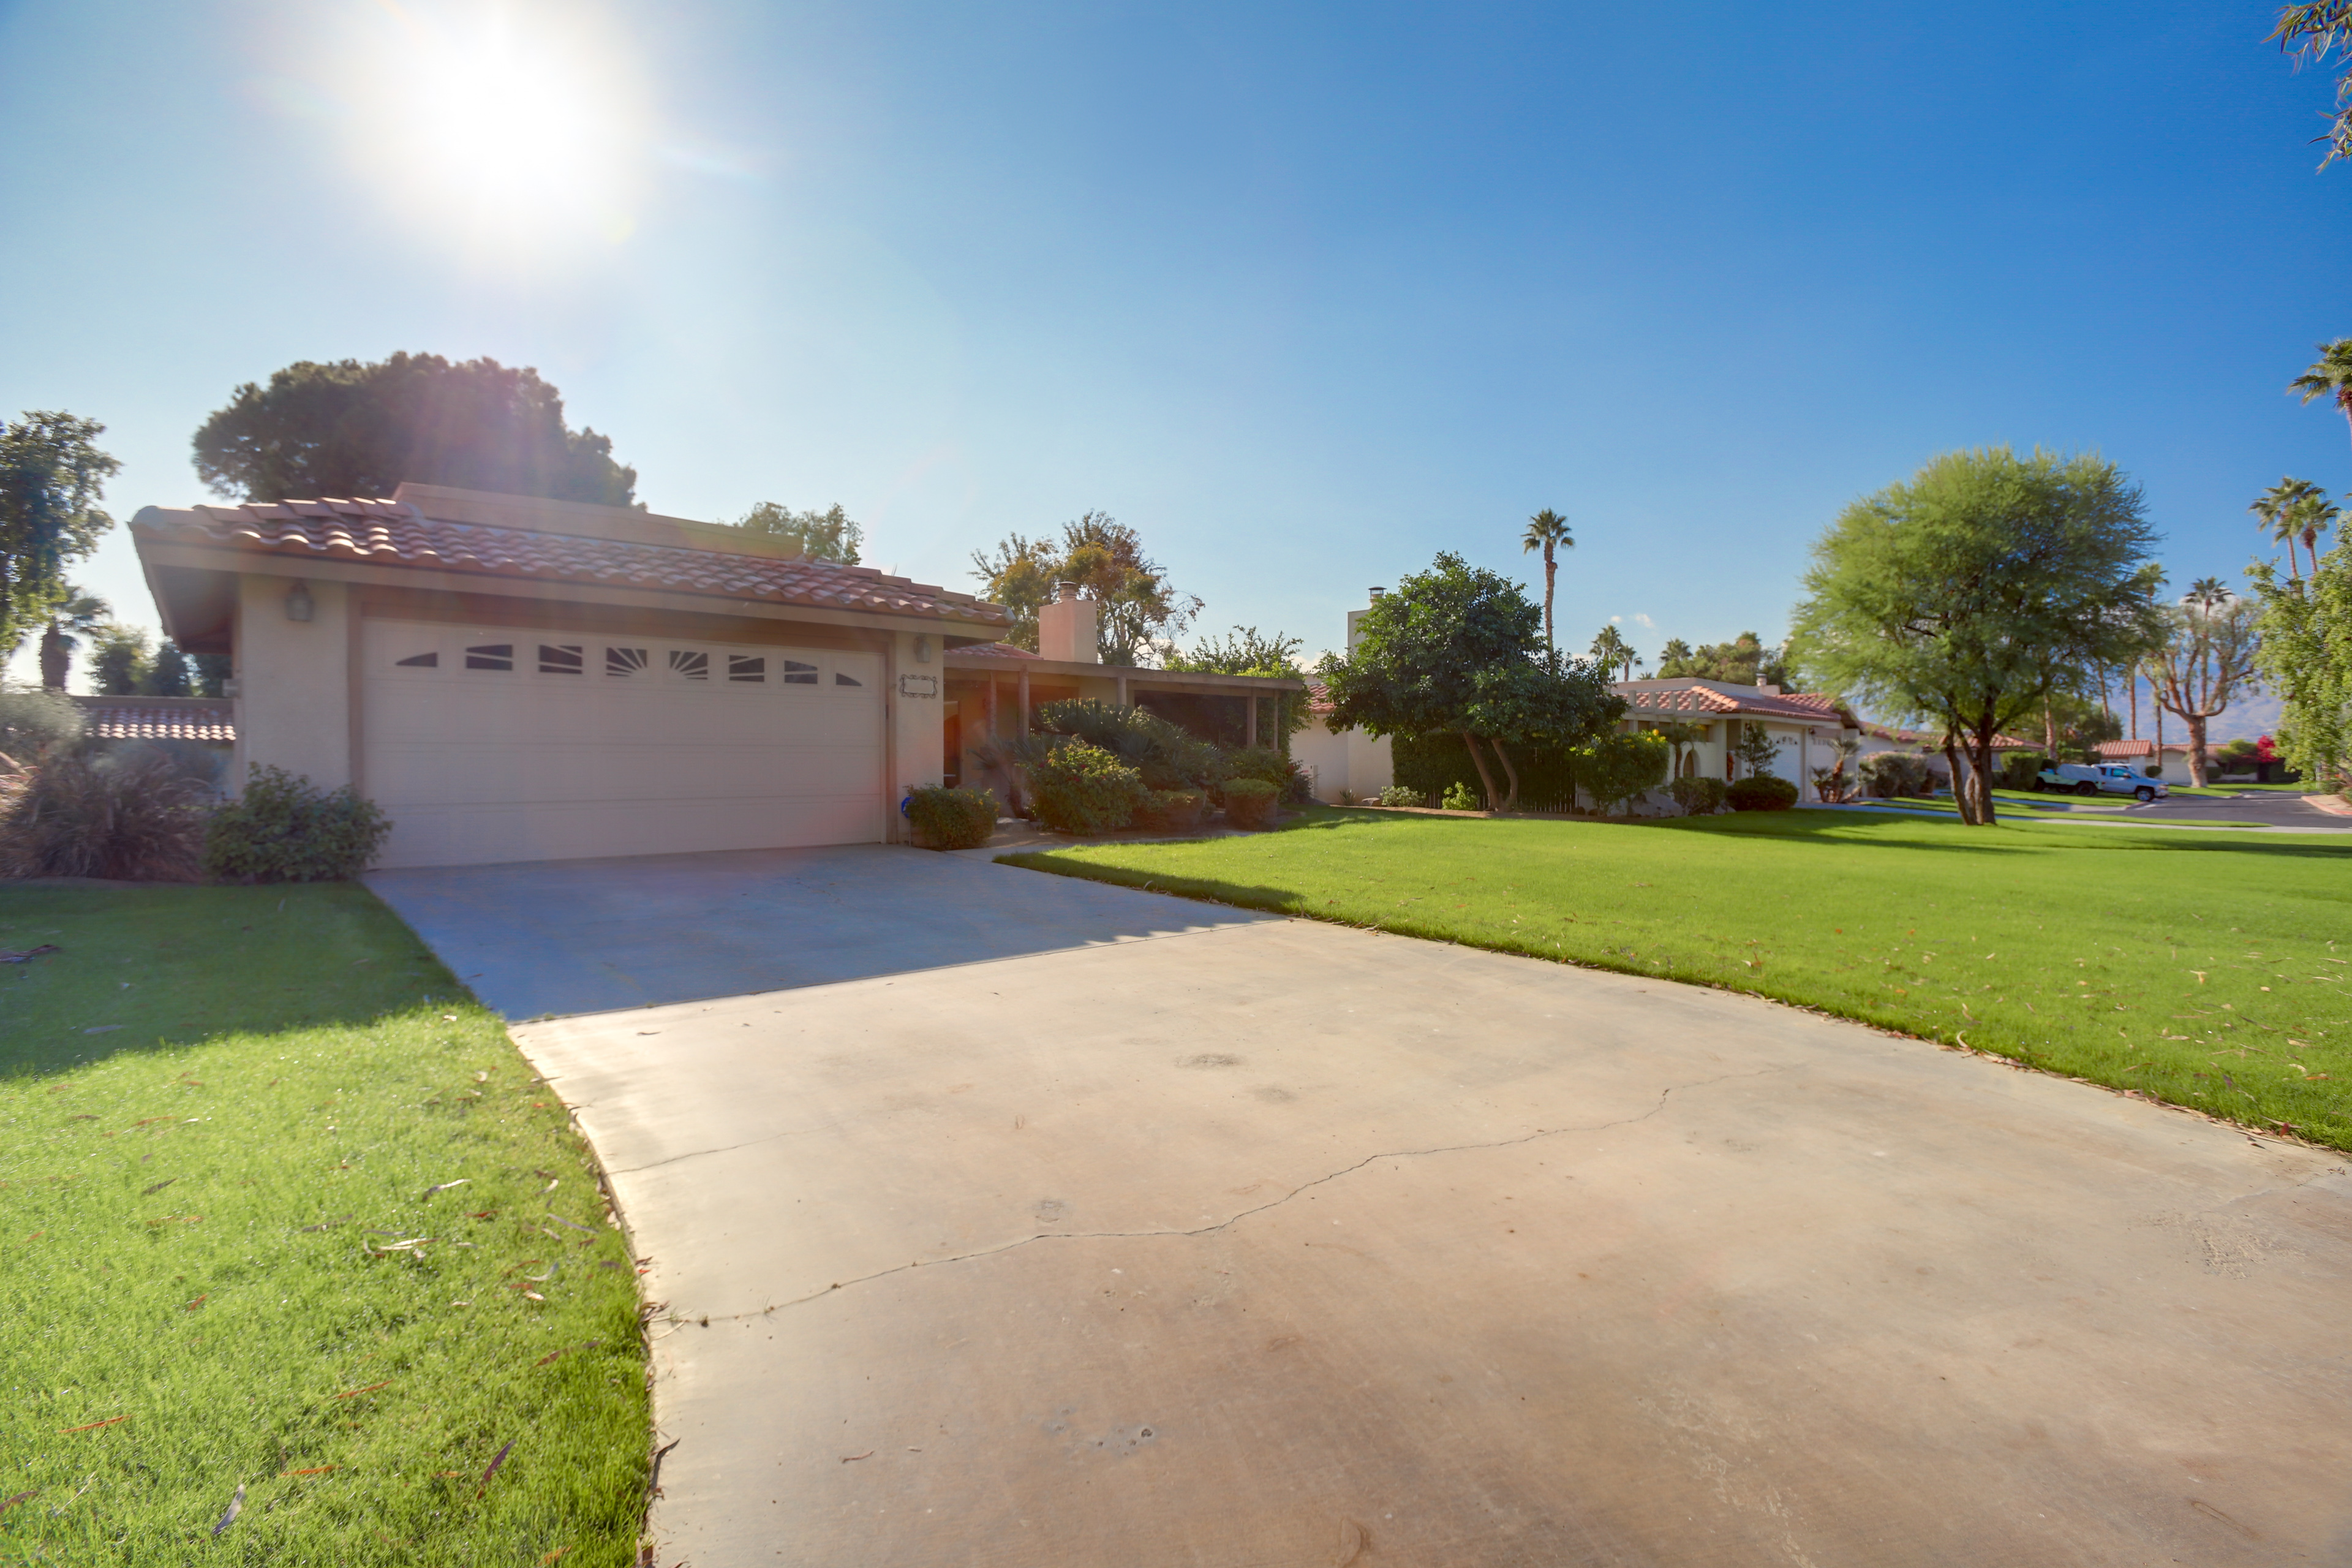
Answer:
(1318, 697)
(1934, 742)
(395, 533)
(2120, 748)
(995, 650)
(158, 718)
(1800, 706)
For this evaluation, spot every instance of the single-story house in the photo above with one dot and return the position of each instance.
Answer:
(1344, 761)
(994, 688)
(1802, 727)
(195, 721)
(1929, 747)
(514, 679)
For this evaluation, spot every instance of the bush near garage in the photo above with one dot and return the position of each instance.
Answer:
(952, 818)
(1889, 775)
(1165, 754)
(1270, 766)
(1761, 794)
(1081, 788)
(1250, 803)
(284, 828)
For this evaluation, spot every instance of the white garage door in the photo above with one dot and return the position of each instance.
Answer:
(487, 744)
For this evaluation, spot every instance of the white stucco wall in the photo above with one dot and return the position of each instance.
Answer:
(1350, 759)
(918, 718)
(294, 684)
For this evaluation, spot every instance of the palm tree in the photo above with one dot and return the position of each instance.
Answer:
(2312, 517)
(1614, 652)
(2276, 508)
(1548, 532)
(71, 618)
(2329, 376)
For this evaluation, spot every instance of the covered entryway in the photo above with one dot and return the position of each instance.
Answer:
(502, 743)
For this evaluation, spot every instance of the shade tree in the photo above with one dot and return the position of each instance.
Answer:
(1960, 596)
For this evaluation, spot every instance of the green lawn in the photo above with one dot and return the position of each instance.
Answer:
(2196, 968)
(222, 1109)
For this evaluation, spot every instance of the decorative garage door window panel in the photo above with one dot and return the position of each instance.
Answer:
(488, 745)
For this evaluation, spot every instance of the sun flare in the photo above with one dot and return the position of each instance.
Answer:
(514, 125)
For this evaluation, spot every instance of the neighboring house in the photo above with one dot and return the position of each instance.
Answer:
(202, 731)
(514, 678)
(1803, 728)
(1345, 762)
(1877, 738)
(994, 691)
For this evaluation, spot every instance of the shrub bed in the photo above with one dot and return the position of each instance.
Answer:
(1172, 811)
(1765, 794)
(76, 813)
(284, 828)
(1250, 803)
(1080, 788)
(952, 818)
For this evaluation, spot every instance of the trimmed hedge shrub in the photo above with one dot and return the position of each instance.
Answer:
(1172, 811)
(1250, 803)
(1079, 788)
(1698, 796)
(1764, 794)
(284, 828)
(952, 818)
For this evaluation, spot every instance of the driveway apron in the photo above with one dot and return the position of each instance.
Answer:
(1119, 1229)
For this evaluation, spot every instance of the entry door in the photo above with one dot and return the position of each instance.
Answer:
(489, 744)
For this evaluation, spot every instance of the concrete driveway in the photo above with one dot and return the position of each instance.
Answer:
(1181, 1239)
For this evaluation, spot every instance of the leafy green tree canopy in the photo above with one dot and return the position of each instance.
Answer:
(829, 535)
(1742, 661)
(349, 429)
(1136, 611)
(52, 476)
(1963, 595)
(121, 658)
(2304, 651)
(1245, 650)
(1459, 650)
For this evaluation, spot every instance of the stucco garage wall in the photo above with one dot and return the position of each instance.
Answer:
(294, 681)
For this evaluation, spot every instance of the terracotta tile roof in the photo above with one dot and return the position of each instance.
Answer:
(2121, 749)
(394, 534)
(1801, 707)
(993, 650)
(1921, 738)
(158, 718)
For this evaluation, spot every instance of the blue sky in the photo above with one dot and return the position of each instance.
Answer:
(1305, 294)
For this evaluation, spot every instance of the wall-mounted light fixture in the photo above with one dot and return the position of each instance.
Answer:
(922, 648)
(298, 604)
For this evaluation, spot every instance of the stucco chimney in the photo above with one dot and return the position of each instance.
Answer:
(1066, 627)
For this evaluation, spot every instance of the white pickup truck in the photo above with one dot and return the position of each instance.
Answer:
(2102, 778)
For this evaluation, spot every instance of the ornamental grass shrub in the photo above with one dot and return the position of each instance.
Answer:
(1761, 793)
(1250, 803)
(1081, 788)
(284, 828)
(952, 818)
(77, 812)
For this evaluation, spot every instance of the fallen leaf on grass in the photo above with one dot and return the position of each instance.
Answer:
(20, 1497)
(101, 1029)
(30, 954)
(85, 1116)
(197, 1303)
(159, 1187)
(498, 1461)
(371, 1388)
(314, 1471)
(444, 1186)
(235, 1507)
(93, 1426)
(573, 1224)
(552, 1556)
(338, 1219)
(451, 1475)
